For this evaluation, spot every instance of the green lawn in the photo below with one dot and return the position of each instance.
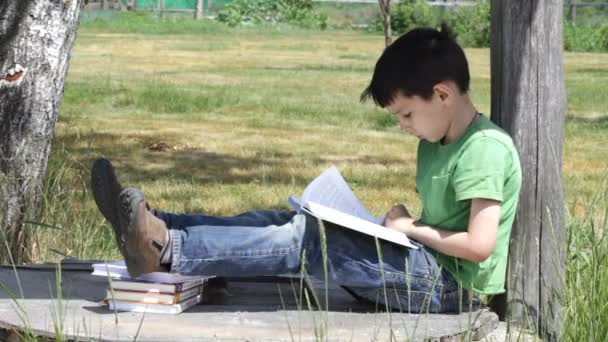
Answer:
(248, 111)
(246, 117)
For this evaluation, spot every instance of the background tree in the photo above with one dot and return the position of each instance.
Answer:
(36, 38)
(529, 101)
(385, 9)
(132, 5)
(572, 10)
(199, 9)
(119, 5)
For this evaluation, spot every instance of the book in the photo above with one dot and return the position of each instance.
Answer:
(152, 297)
(155, 308)
(117, 270)
(329, 198)
(173, 286)
(157, 292)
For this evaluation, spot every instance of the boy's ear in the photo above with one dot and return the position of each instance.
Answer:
(444, 91)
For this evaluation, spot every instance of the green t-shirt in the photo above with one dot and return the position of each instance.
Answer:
(482, 163)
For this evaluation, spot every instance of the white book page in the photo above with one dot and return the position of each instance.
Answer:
(357, 224)
(330, 190)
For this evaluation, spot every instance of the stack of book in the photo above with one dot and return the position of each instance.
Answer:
(153, 292)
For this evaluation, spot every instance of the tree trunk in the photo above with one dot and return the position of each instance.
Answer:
(199, 9)
(572, 11)
(132, 5)
(528, 100)
(37, 37)
(385, 9)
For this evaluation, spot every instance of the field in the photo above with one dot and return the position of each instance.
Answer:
(207, 119)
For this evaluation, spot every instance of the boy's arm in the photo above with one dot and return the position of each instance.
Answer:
(476, 244)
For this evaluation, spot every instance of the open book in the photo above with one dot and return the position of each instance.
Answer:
(329, 198)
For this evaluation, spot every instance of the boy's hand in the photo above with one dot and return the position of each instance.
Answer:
(398, 218)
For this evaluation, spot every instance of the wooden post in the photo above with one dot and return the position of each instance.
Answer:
(528, 101)
(199, 9)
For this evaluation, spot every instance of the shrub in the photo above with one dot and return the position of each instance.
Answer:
(409, 14)
(295, 12)
(471, 24)
(603, 35)
(586, 38)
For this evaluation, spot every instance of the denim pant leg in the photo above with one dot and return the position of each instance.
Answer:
(412, 278)
(402, 278)
(242, 250)
(254, 218)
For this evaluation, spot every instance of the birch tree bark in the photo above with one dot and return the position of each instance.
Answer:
(529, 101)
(199, 9)
(36, 38)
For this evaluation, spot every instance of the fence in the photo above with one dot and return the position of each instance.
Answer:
(161, 6)
(156, 5)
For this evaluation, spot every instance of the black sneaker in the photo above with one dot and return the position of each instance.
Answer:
(106, 191)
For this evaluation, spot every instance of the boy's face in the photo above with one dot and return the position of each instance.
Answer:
(426, 119)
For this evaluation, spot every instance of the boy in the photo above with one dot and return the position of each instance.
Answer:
(468, 177)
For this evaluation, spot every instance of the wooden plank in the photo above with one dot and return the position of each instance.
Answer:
(528, 100)
(244, 310)
(86, 321)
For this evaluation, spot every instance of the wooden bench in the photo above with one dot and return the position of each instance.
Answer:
(239, 309)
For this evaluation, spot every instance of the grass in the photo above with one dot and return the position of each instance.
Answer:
(215, 108)
(347, 15)
(586, 311)
(210, 119)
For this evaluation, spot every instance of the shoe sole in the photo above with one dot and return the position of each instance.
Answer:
(106, 191)
(130, 201)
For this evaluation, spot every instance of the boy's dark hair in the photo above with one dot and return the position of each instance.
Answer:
(416, 62)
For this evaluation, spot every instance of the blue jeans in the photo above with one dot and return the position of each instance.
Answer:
(279, 242)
